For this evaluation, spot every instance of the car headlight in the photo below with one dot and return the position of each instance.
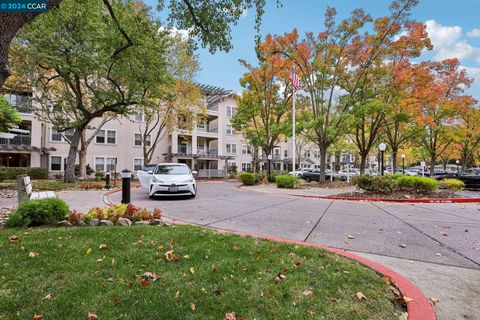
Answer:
(156, 180)
(188, 180)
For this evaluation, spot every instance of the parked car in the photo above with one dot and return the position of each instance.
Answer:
(408, 172)
(345, 173)
(438, 173)
(471, 178)
(169, 179)
(299, 173)
(314, 175)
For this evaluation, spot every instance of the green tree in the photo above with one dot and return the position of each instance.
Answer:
(8, 115)
(85, 64)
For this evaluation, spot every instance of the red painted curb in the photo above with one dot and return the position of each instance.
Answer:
(418, 308)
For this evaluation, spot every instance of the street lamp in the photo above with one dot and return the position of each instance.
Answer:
(382, 146)
(403, 162)
(457, 162)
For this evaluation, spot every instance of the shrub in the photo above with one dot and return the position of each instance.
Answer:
(100, 175)
(38, 212)
(247, 178)
(452, 184)
(74, 217)
(417, 184)
(259, 177)
(286, 181)
(122, 211)
(376, 184)
(89, 170)
(91, 185)
(11, 173)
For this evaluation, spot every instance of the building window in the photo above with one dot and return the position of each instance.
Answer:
(106, 164)
(230, 129)
(139, 116)
(137, 164)
(106, 136)
(231, 111)
(231, 148)
(139, 141)
(285, 153)
(56, 136)
(246, 149)
(56, 163)
(69, 134)
(246, 167)
(307, 154)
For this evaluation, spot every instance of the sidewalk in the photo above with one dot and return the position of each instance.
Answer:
(313, 191)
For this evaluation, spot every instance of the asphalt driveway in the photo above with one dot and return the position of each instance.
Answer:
(437, 246)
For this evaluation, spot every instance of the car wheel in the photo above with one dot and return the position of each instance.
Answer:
(308, 179)
(152, 197)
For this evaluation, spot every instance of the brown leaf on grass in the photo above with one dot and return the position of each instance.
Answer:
(33, 254)
(230, 316)
(307, 292)
(297, 264)
(144, 283)
(14, 239)
(280, 276)
(48, 297)
(169, 255)
(434, 300)
(150, 276)
(117, 300)
(192, 306)
(103, 247)
(361, 296)
(213, 269)
(37, 317)
(89, 250)
(92, 316)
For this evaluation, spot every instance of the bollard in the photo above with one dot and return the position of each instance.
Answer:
(107, 180)
(126, 179)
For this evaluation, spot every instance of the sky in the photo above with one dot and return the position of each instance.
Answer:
(453, 26)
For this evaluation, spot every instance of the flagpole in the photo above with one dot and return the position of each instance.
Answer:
(294, 155)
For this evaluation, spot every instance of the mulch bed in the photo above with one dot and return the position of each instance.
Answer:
(439, 194)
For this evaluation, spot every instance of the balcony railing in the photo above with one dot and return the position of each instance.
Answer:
(184, 149)
(212, 109)
(207, 151)
(24, 107)
(208, 129)
(17, 141)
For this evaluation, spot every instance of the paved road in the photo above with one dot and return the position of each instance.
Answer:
(437, 246)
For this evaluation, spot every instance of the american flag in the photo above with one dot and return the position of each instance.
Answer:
(295, 79)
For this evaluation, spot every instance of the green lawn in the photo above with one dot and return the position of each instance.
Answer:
(213, 274)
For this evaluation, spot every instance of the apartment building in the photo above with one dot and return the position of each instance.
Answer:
(210, 147)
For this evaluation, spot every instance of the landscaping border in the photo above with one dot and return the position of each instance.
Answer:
(418, 308)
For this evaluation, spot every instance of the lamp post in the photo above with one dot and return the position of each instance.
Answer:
(457, 162)
(403, 163)
(382, 146)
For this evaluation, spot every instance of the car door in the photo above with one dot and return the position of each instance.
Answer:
(145, 178)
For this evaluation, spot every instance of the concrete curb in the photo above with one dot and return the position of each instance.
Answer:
(435, 200)
(418, 309)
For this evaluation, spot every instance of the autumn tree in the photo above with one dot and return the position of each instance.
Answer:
(336, 64)
(262, 115)
(468, 134)
(438, 90)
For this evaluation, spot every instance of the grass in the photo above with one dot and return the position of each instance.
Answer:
(54, 185)
(218, 273)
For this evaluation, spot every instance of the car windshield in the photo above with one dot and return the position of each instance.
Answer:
(172, 169)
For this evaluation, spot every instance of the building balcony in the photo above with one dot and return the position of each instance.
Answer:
(207, 130)
(212, 110)
(207, 152)
(24, 107)
(19, 140)
(182, 149)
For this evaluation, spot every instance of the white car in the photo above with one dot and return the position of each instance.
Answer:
(169, 179)
(299, 173)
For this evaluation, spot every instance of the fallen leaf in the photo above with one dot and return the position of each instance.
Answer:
(150, 276)
(37, 317)
(186, 256)
(33, 254)
(48, 297)
(177, 294)
(403, 316)
(361, 296)
(192, 306)
(280, 276)
(213, 269)
(103, 247)
(14, 239)
(307, 292)
(91, 316)
(434, 300)
(230, 316)
(297, 264)
(439, 254)
(402, 245)
(89, 250)
(113, 261)
(144, 283)
(117, 300)
(192, 270)
(407, 299)
(466, 230)
(350, 236)
(169, 255)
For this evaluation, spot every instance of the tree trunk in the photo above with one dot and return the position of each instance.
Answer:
(394, 160)
(323, 162)
(363, 162)
(269, 170)
(82, 160)
(432, 165)
(72, 157)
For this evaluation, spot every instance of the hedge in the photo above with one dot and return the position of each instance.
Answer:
(417, 184)
(286, 181)
(33, 213)
(11, 173)
(247, 178)
(452, 184)
(391, 183)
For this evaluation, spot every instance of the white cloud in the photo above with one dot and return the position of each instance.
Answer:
(174, 31)
(474, 33)
(448, 42)
(244, 13)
